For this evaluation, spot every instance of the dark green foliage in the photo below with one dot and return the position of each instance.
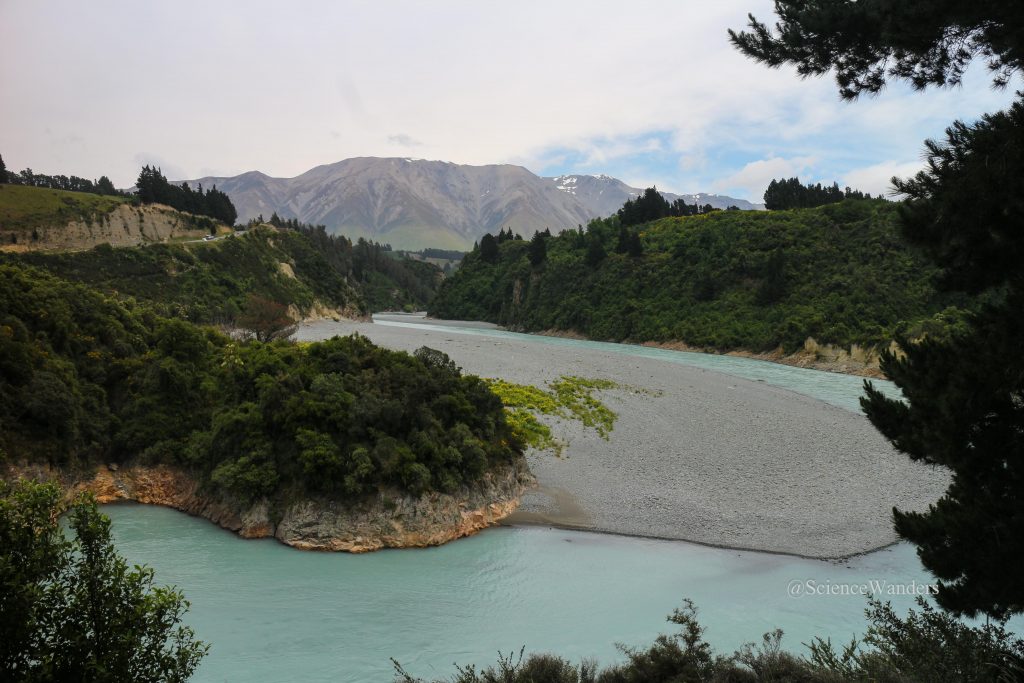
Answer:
(925, 646)
(385, 280)
(964, 413)
(728, 279)
(790, 194)
(153, 187)
(868, 42)
(538, 251)
(72, 610)
(595, 252)
(103, 186)
(87, 378)
(964, 409)
(967, 208)
(489, 248)
(651, 205)
(3, 171)
(209, 282)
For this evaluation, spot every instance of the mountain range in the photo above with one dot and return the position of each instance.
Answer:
(413, 203)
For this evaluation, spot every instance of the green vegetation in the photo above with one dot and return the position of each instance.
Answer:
(72, 609)
(963, 408)
(568, 397)
(725, 280)
(153, 187)
(650, 206)
(926, 646)
(387, 281)
(87, 378)
(23, 209)
(209, 281)
(790, 194)
(73, 183)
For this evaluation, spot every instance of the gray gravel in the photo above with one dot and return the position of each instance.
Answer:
(701, 456)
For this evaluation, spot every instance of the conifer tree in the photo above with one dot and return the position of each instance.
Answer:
(537, 252)
(489, 248)
(964, 409)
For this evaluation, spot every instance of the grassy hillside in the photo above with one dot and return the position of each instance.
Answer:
(86, 378)
(724, 280)
(25, 208)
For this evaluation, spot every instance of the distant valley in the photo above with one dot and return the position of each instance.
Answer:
(412, 203)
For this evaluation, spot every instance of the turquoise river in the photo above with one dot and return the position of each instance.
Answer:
(272, 613)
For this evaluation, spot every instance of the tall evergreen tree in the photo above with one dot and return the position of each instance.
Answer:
(489, 248)
(964, 408)
(3, 170)
(537, 252)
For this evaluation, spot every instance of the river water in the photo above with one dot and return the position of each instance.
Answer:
(272, 613)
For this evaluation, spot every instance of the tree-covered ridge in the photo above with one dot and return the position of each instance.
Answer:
(86, 378)
(651, 205)
(72, 183)
(153, 187)
(789, 193)
(725, 280)
(387, 281)
(210, 281)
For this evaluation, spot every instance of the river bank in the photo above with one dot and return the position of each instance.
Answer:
(856, 360)
(387, 520)
(698, 456)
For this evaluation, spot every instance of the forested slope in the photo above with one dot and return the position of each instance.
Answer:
(840, 274)
(88, 378)
(210, 281)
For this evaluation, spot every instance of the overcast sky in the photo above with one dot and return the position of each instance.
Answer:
(649, 92)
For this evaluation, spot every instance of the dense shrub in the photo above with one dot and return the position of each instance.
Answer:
(88, 377)
(728, 279)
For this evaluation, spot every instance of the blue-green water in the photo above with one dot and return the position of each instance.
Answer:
(273, 613)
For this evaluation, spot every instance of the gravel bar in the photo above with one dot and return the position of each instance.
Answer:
(698, 455)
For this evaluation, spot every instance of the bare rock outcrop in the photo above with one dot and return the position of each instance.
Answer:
(389, 520)
(124, 226)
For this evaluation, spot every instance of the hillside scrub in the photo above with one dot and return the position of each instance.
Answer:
(87, 378)
(208, 281)
(723, 280)
(926, 645)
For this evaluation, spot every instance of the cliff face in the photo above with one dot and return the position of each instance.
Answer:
(388, 521)
(124, 226)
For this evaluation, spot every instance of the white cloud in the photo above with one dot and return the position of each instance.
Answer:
(403, 140)
(877, 178)
(476, 82)
(753, 179)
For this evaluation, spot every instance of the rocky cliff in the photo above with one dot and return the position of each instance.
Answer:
(390, 520)
(123, 226)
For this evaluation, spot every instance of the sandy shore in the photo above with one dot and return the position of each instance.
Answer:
(702, 456)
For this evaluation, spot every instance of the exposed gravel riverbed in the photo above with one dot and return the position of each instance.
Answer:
(698, 456)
